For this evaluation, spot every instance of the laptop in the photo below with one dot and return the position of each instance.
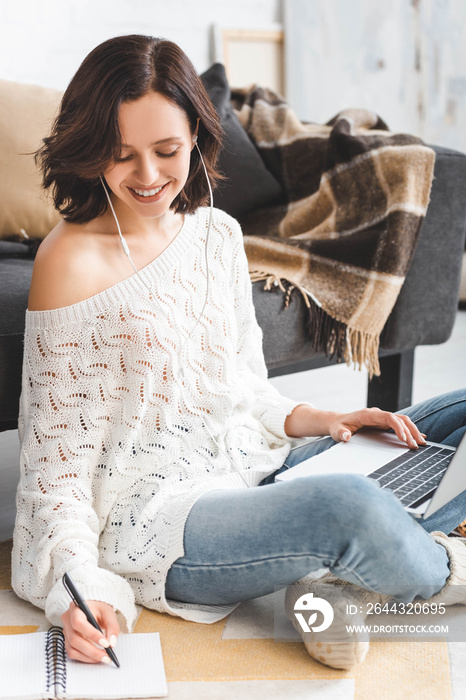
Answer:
(423, 480)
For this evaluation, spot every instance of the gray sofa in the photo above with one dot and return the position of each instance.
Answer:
(424, 312)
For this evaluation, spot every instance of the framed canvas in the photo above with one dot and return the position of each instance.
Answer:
(251, 56)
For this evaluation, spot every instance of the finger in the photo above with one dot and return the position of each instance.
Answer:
(78, 655)
(407, 435)
(344, 435)
(87, 650)
(112, 632)
(108, 621)
(413, 430)
(340, 432)
(400, 429)
(83, 628)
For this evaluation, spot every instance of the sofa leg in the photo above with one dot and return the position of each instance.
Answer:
(393, 390)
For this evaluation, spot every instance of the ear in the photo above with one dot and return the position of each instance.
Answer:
(195, 134)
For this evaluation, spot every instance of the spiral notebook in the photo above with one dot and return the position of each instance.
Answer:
(35, 666)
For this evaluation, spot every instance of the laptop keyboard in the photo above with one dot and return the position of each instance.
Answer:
(414, 476)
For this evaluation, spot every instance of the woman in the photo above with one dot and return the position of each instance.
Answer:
(146, 418)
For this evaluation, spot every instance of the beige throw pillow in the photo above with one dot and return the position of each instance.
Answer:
(26, 115)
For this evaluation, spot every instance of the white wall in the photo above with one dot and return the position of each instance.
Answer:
(404, 59)
(44, 41)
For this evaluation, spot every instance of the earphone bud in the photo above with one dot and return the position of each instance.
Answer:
(195, 138)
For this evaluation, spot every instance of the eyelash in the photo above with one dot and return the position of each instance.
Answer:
(160, 155)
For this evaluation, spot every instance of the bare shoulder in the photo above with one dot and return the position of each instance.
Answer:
(65, 268)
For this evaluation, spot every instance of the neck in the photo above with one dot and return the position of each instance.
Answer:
(132, 225)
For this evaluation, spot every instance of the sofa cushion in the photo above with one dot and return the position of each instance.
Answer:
(26, 114)
(249, 185)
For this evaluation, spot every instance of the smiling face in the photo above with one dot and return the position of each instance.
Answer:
(153, 165)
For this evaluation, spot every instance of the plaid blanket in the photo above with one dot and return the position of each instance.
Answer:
(346, 231)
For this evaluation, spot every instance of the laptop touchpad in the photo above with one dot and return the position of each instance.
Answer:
(363, 454)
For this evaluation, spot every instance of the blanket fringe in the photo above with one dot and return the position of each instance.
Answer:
(338, 341)
(273, 280)
(363, 349)
(333, 338)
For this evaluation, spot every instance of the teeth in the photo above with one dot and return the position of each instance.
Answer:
(148, 193)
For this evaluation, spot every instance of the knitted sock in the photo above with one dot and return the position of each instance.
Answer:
(335, 646)
(454, 590)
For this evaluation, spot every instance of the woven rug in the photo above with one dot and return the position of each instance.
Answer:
(239, 657)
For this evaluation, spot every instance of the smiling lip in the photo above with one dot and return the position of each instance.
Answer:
(148, 197)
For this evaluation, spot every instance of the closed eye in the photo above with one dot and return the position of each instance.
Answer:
(124, 159)
(168, 155)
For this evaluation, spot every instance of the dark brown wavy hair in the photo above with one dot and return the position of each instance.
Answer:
(85, 136)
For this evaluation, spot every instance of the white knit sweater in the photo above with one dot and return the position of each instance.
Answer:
(114, 445)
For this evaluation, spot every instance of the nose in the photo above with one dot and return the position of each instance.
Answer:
(147, 169)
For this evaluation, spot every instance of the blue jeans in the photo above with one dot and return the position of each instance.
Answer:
(241, 544)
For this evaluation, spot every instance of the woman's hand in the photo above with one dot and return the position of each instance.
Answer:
(307, 421)
(82, 641)
(345, 426)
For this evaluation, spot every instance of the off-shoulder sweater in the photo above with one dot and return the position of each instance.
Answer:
(121, 395)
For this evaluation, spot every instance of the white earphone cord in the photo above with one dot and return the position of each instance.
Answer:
(182, 342)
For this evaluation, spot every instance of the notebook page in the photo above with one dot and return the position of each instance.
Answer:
(141, 673)
(22, 666)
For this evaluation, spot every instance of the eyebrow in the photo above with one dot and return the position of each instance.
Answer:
(170, 139)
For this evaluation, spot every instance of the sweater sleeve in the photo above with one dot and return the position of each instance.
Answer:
(269, 406)
(61, 426)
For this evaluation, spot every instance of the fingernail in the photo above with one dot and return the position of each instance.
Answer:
(346, 436)
(103, 643)
(113, 640)
(106, 660)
